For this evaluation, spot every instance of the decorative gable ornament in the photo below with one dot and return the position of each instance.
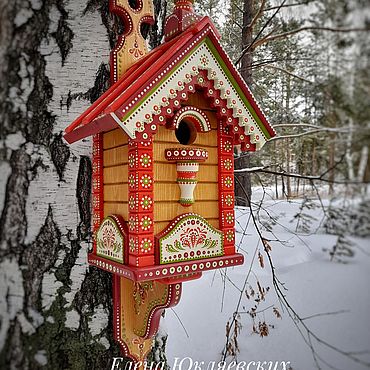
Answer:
(163, 162)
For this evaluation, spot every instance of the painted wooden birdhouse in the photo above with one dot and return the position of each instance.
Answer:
(163, 160)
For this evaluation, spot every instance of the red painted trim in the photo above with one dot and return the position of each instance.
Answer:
(136, 78)
(138, 173)
(181, 278)
(186, 154)
(97, 192)
(100, 125)
(242, 84)
(152, 61)
(174, 295)
(226, 172)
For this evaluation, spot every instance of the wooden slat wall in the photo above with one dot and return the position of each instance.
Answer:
(114, 138)
(115, 156)
(166, 190)
(200, 101)
(115, 173)
(163, 192)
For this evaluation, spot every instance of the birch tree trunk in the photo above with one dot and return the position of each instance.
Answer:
(55, 310)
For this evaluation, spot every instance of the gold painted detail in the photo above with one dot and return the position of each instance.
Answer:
(132, 45)
(141, 294)
(157, 296)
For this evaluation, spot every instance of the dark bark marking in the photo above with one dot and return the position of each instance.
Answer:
(101, 84)
(40, 127)
(12, 355)
(112, 22)
(64, 35)
(160, 13)
(39, 257)
(63, 271)
(13, 222)
(60, 154)
(97, 290)
(83, 194)
(32, 117)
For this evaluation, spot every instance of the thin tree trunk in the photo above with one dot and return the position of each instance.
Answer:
(243, 161)
(288, 180)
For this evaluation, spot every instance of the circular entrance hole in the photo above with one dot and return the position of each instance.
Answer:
(186, 133)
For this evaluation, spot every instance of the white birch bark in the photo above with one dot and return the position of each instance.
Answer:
(55, 311)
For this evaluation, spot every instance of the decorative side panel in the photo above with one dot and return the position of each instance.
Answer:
(111, 239)
(189, 237)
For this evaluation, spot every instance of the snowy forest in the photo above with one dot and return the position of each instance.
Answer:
(303, 204)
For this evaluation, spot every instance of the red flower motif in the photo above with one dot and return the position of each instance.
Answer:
(191, 238)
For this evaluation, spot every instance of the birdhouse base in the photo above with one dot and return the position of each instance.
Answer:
(140, 295)
(167, 273)
(137, 311)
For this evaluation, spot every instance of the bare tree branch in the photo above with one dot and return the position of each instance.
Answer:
(270, 38)
(311, 132)
(258, 14)
(259, 33)
(287, 72)
(288, 5)
(306, 333)
(265, 169)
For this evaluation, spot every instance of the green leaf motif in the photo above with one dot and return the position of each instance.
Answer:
(209, 244)
(175, 248)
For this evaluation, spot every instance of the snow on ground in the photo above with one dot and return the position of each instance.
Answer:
(336, 295)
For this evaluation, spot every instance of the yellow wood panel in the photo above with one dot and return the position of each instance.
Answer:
(116, 193)
(167, 172)
(116, 174)
(117, 209)
(115, 156)
(166, 211)
(171, 192)
(114, 138)
(198, 100)
(159, 226)
(204, 139)
(159, 150)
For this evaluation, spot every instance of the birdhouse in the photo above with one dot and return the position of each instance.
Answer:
(163, 160)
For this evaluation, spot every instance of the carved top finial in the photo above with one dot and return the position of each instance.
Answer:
(131, 45)
(182, 17)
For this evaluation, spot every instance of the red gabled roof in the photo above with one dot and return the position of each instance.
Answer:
(134, 85)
